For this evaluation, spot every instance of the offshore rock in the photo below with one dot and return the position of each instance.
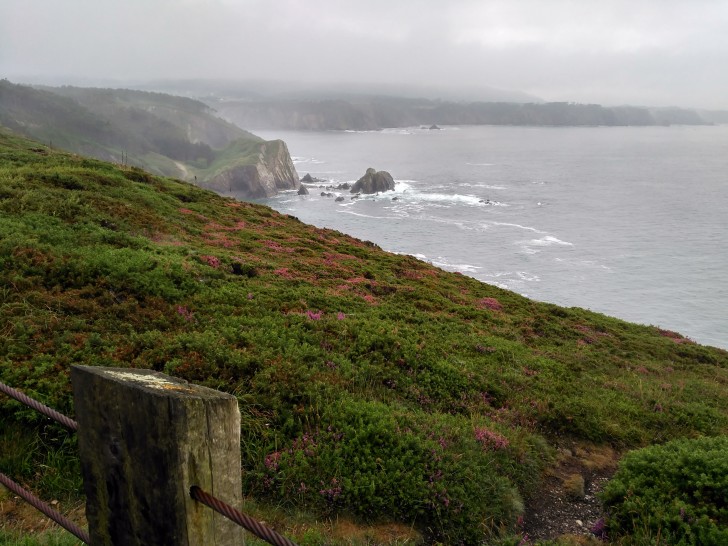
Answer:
(310, 179)
(373, 182)
(302, 190)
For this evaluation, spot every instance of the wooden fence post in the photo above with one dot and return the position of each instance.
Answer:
(144, 438)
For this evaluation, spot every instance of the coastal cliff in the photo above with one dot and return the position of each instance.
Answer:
(260, 175)
(162, 134)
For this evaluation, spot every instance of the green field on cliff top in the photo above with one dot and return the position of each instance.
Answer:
(372, 386)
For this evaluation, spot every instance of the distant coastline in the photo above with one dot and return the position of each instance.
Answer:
(374, 113)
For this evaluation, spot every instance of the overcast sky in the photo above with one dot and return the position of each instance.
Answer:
(649, 52)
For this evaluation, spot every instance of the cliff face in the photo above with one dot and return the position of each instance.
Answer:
(277, 160)
(263, 175)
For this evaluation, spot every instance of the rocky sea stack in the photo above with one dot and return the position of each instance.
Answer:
(373, 182)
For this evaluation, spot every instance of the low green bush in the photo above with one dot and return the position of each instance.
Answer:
(676, 493)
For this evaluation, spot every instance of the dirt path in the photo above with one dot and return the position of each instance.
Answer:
(567, 503)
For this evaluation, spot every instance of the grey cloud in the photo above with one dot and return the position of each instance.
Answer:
(665, 52)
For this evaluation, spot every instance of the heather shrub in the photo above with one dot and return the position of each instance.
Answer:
(676, 493)
(439, 474)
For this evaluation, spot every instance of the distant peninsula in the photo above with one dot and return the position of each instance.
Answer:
(162, 134)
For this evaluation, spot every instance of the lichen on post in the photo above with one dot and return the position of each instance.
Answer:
(144, 439)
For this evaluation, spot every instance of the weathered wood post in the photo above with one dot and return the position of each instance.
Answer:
(144, 438)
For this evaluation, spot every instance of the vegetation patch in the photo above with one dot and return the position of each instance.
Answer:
(676, 493)
(372, 386)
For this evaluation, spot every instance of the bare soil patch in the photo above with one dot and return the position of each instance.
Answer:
(567, 503)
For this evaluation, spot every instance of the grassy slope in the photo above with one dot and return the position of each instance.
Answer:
(153, 130)
(371, 384)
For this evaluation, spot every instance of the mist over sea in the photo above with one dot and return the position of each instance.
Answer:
(627, 221)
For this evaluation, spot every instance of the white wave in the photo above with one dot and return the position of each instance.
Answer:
(449, 198)
(298, 159)
(400, 188)
(481, 164)
(486, 186)
(549, 240)
(519, 226)
(528, 277)
(462, 268)
(368, 215)
(444, 263)
(534, 246)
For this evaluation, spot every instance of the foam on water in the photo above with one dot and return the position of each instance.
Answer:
(445, 263)
(527, 247)
(486, 186)
(548, 241)
(362, 215)
(462, 268)
(518, 226)
(313, 160)
(579, 228)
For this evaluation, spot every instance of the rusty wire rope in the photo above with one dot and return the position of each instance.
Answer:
(41, 408)
(41, 506)
(245, 521)
(26, 495)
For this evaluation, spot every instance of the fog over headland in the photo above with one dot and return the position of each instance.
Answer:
(651, 52)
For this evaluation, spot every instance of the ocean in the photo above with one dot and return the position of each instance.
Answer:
(627, 221)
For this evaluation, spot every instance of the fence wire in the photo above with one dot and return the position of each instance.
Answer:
(41, 506)
(37, 406)
(245, 521)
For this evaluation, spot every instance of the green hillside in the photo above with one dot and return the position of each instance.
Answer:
(372, 386)
(162, 134)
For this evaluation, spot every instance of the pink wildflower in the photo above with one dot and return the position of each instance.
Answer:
(340, 316)
(314, 316)
(491, 303)
(272, 460)
(212, 261)
(283, 272)
(186, 313)
(490, 440)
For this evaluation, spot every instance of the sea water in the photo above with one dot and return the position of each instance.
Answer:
(627, 221)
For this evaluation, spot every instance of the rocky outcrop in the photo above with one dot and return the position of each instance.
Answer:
(302, 190)
(262, 174)
(310, 179)
(373, 182)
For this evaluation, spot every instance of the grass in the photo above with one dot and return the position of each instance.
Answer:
(372, 386)
(46, 538)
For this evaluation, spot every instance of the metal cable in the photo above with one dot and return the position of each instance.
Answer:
(37, 406)
(245, 521)
(38, 504)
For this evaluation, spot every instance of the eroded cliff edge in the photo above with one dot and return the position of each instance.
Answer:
(163, 134)
(261, 173)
